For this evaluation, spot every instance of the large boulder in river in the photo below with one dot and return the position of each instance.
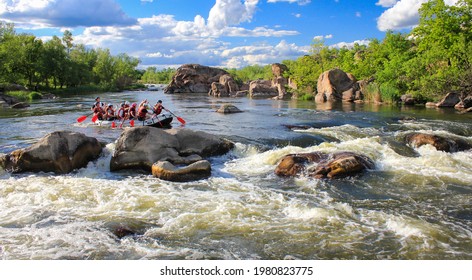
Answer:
(262, 89)
(332, 84)
(141, 147)
(59, 152)
(294, 164)
(342, 164)
(440, 143)
(194, 78)
(328, 165)
(450, 100)
(226, 86)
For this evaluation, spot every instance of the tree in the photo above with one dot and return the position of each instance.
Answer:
(443, 37)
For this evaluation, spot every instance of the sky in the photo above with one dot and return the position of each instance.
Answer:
(220, 33)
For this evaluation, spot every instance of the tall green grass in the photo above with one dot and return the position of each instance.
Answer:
(385, 93)
(25, 95)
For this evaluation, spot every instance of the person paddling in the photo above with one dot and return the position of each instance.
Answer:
(158, 108)
(110, 113)
(143, 112)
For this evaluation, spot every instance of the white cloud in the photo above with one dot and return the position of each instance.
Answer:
(64, 13)
(386, 3)
(350, 45)
(403, 14)
(261, 54)
(297, 15)
(230, 12)
(322, 37)
(299, 2)
(358, 14)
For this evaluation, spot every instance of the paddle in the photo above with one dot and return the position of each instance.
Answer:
(94, 118)
(182, 121)
(82, 118)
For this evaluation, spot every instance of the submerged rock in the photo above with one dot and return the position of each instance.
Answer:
(342, 164)
(329, 165)
(228, 109)
(59, 152)
(440, 143)
(196, 171)
(294, 164)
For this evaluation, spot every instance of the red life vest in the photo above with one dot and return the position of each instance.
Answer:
(142, 112)
(158, 109)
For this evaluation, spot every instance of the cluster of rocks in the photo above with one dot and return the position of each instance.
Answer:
(161, 151)
(179, 154)
(333, 165)
(274, 88)
(342, 164)
(7, 101)
(461, 102)
(173, 155)
(195, 78)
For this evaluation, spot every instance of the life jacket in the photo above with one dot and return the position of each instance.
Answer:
(132, 112)
(121, 113)
(98, 111)
(157, 109)
(142, 112)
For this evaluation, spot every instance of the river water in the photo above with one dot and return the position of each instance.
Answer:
(416, 204)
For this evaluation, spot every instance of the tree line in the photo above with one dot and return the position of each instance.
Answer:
(59, 63)
(431, 60)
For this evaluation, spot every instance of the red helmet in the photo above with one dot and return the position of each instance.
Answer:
(133, 105)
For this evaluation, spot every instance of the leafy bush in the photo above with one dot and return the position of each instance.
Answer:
(389, 93)
(34, 95)
(306, 97)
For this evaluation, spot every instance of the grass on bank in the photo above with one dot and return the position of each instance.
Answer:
(25, 96)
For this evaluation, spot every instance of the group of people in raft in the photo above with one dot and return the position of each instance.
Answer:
(126, 111)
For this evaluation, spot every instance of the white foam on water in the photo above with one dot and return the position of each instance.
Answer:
(344, 132)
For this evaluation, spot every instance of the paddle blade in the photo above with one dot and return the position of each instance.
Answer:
(94, 118)
(131, 123)
(182, 121)
(81, 119)
(113, 125)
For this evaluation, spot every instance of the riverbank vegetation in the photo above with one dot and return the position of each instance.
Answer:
(431, 60)
(60, 65)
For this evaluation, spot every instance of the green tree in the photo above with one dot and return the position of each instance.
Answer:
(443, 37)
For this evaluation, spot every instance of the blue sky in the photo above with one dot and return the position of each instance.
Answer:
(223, 33)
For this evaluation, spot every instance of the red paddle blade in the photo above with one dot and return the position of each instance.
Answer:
(113, 125)
(182, 121)
(94, 118)
(131, 122)
(81, 119)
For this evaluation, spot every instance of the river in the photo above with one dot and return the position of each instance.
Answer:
(416, 204)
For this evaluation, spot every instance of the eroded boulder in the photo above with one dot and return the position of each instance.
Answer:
(141, 147)
(196, 171)
(194, 78)
(341, 165)
(59, 152)
(334, 165)
(440, 143)
(332, 84)
(262, 89)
